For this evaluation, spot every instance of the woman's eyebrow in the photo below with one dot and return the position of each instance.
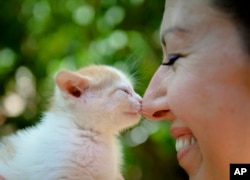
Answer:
(174, 29)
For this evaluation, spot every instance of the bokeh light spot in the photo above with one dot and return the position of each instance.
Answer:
(41, 10)
(118, 39)
(7, 58)
(84, 15)
(114, 15)
(14, 105)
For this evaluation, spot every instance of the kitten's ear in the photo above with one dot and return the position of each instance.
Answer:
(72, 83)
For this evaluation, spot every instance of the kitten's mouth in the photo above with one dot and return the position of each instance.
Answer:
(134, 113)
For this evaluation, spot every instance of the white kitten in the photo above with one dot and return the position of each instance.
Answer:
(76, 138)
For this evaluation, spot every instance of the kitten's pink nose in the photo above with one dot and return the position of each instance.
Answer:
(139, 98)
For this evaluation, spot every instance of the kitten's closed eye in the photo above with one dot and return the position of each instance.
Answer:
(125, 91)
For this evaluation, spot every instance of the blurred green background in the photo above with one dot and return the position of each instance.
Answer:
(40, 37)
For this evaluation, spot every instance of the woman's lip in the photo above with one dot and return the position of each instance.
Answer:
(184, 152)
(179, 131)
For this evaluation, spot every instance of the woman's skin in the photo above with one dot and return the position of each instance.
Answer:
(205, 93)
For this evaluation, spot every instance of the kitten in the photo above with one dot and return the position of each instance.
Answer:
(76, 138)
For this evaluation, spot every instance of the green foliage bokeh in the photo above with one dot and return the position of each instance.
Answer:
(40, 37)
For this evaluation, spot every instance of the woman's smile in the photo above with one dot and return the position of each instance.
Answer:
(185, 140)
(183, 144)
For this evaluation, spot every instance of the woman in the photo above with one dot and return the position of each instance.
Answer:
(203, 85)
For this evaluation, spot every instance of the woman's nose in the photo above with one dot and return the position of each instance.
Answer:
(155, 103)
(155, 108)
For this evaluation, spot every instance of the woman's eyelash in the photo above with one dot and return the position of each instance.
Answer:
(171, 59)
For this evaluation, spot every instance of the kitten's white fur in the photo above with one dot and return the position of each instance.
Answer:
(76, 138)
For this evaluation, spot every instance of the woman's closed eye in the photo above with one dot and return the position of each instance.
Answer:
(172, 58)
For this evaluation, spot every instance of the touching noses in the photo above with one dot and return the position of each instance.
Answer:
(155, 104)
(139, 98)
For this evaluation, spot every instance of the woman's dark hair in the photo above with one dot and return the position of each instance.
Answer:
(239, 10)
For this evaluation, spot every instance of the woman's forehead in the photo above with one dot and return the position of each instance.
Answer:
(182, 11)
(189, 15)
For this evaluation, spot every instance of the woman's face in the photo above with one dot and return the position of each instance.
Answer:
(204, 90)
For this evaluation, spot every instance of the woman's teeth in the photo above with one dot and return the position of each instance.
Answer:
(183, 142)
